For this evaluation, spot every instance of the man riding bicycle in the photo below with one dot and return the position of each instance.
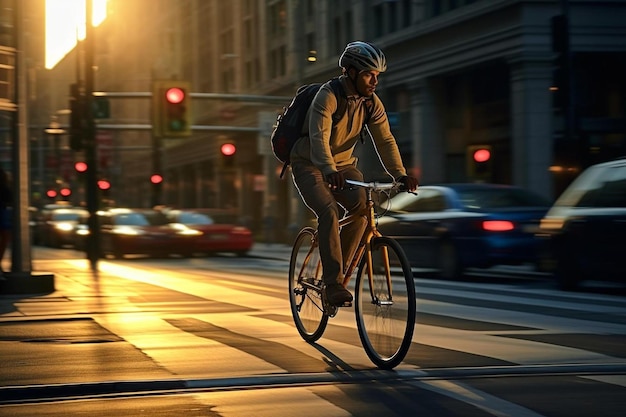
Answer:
(321, 164)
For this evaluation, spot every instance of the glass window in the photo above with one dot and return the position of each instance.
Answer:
(608, 189)
(194, 218)
(131, 219)
(487, 199)
(426, 201)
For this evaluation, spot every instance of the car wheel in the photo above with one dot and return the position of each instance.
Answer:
(449, 262)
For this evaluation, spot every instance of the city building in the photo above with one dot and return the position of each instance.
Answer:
(537, 83)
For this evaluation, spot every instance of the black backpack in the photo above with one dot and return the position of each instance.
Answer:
(289, 124)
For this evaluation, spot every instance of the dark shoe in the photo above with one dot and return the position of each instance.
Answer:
(337, 295)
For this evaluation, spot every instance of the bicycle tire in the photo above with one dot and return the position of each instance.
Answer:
(305, 283)
(385, 324)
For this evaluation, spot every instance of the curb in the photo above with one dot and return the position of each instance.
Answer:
(27, 283)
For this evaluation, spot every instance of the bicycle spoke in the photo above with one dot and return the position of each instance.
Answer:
(305, 287)
(385, 305)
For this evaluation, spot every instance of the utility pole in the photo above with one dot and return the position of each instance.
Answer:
(20, 251)
(21, 280)
(93, 242)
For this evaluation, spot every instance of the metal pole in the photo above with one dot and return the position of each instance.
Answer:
(157, 167)
(20, 249)
(90, 143)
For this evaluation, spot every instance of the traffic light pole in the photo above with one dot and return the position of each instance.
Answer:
(90, 144)
(157, 142)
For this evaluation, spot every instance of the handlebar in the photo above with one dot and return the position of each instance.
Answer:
(376, 186)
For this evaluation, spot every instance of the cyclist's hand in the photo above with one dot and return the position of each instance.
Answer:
(410, 183)
(336, 181)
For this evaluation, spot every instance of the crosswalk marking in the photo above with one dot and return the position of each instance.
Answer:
(534, 313)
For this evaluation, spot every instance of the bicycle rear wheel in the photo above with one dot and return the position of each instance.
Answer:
(305, 283)
(385, 308)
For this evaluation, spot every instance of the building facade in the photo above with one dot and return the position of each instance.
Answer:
(461, 73)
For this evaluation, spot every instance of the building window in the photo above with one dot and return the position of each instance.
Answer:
(392, 16)
(278, 62)
(349, 27)
(277, 18)
(437, 7)
(337, 32)
(407, 13)
(378, 21)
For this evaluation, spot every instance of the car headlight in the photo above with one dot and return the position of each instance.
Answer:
(190, 232)
(127, 231)
(64, 227)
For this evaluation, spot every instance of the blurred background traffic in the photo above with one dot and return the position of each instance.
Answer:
(170, 103)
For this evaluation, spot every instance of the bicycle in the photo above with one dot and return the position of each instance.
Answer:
(384, 293)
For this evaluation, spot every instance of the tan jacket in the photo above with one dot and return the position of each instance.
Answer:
(330, 147)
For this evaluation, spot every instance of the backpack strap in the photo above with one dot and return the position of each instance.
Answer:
(369, 109)
(342, 99)
(342, 104)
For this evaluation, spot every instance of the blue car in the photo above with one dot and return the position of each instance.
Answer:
(585, 231)
(451, 227)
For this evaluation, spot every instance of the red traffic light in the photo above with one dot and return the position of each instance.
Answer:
(51, 193)
(174, 95)
(80, 167)
(228, 149)
(65, 192)
(482, 155)
(156, 179)
(104, 184)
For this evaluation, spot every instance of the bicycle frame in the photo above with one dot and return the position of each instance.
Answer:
(369, 233)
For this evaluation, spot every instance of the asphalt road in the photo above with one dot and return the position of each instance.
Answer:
(214, 337)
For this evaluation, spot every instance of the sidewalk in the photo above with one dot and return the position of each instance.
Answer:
(271, 250)
(42, 279)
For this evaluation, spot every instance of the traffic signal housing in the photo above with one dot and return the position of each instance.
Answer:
(77, 118)
(171, 116)
(480, 162)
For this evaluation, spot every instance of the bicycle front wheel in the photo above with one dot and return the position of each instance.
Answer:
(385, 303)
(305, 286)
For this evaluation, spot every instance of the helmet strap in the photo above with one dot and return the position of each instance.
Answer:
(353, 80)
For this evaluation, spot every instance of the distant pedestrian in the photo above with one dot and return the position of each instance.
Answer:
(6, 199)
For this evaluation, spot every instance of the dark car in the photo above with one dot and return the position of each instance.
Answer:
(214, 237)
(451, 227)
(126, 231)
(55, 225)
(585, 230)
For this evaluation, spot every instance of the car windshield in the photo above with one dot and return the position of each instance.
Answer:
(65, 216)
(194, 218)
(131, 219)
(497, 198)
(599, 186)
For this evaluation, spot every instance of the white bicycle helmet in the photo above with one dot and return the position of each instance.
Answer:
(363, 56)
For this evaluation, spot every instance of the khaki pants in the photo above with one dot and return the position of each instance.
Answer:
(335, 248)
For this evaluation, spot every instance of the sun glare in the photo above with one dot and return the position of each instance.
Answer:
(65, 24)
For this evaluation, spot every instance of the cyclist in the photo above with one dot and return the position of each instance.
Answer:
(321, 163)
